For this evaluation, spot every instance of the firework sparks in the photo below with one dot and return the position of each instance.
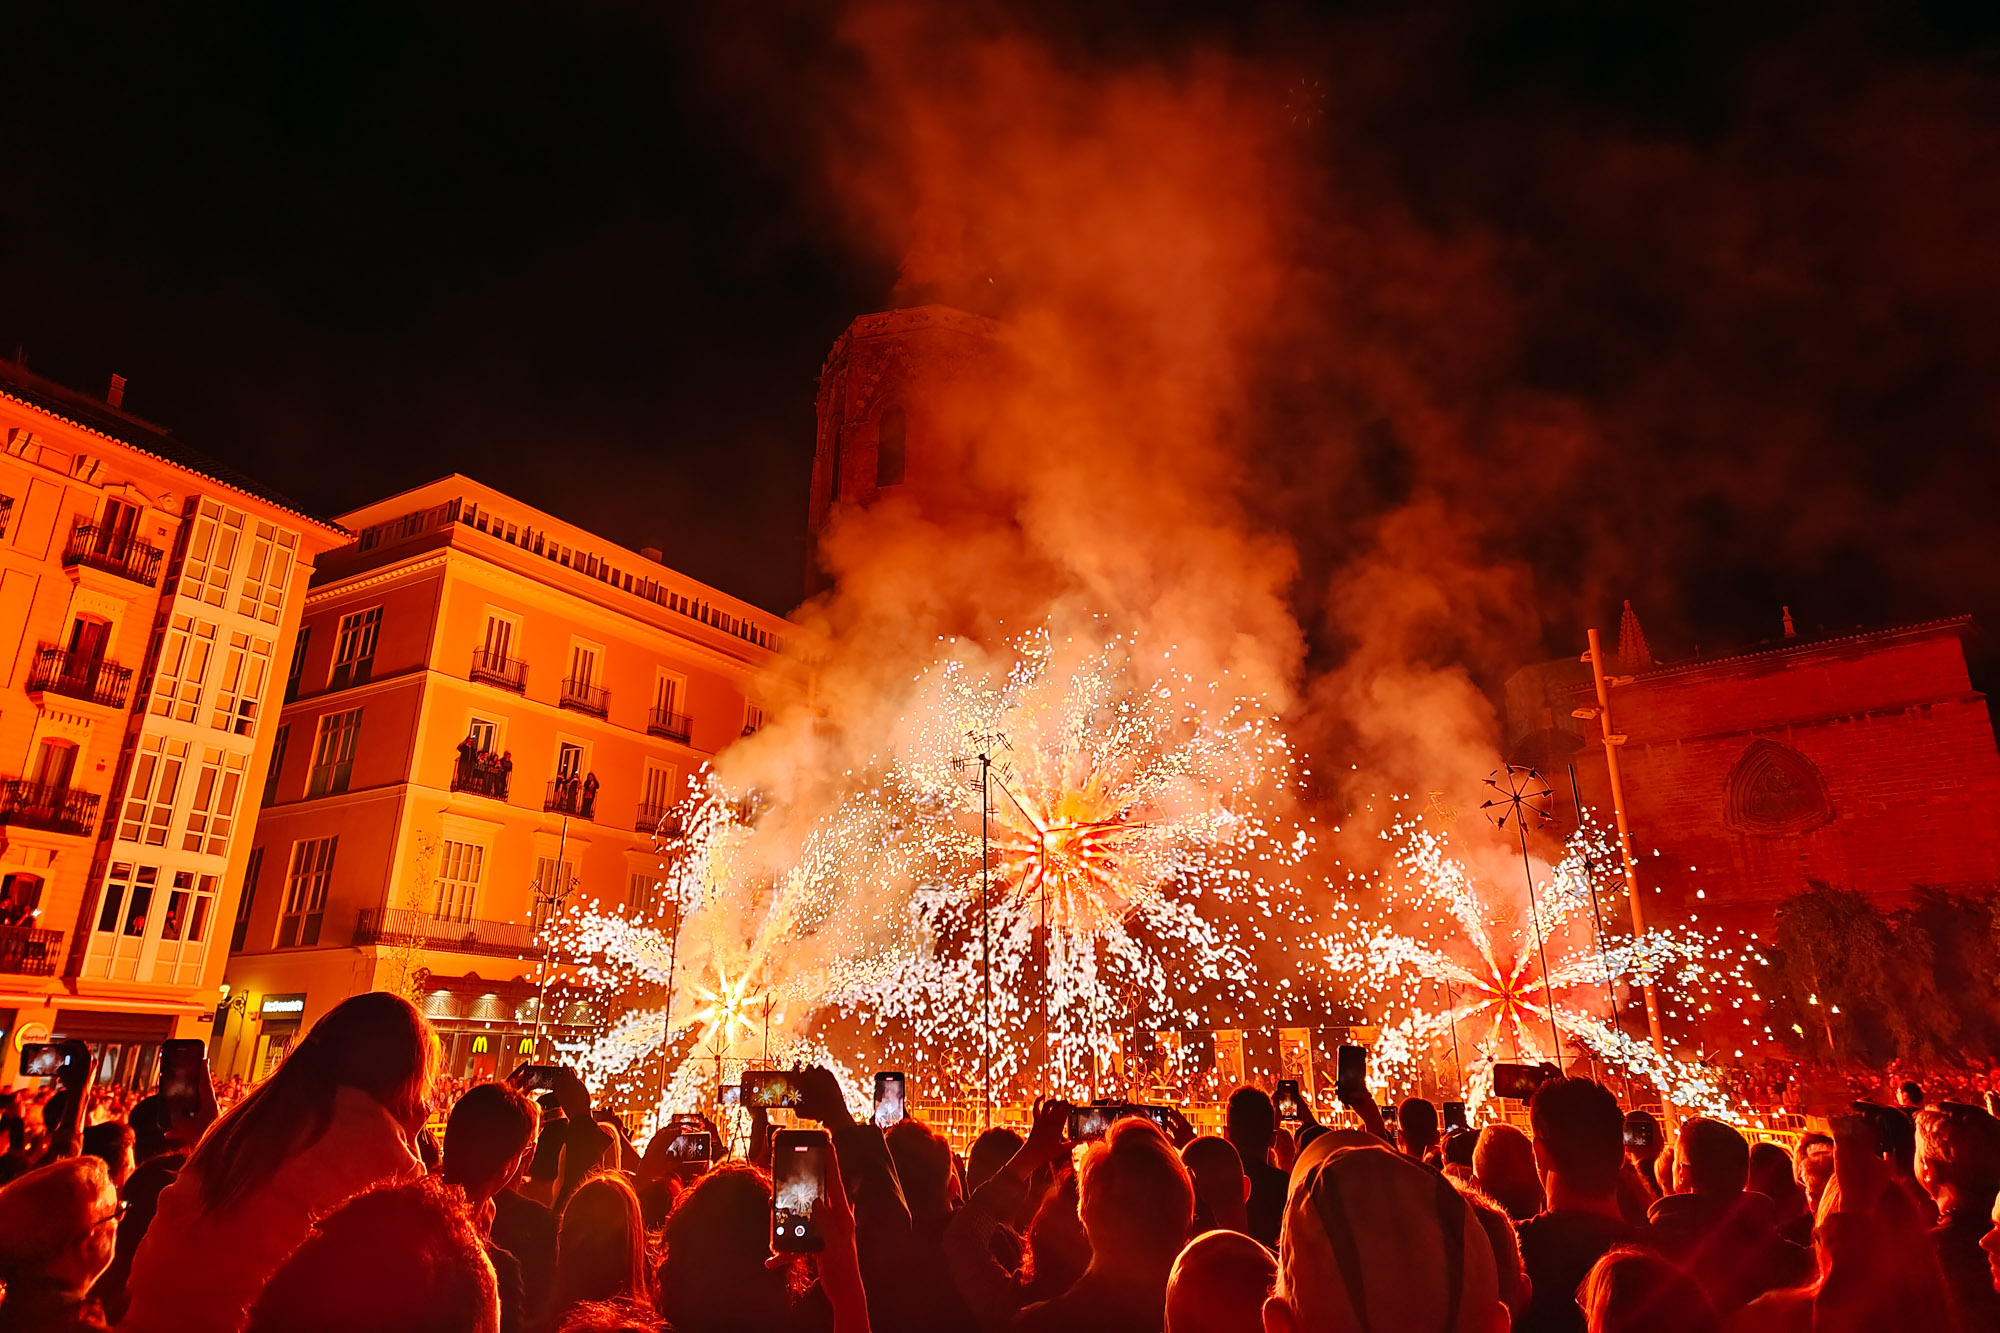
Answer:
(1461, 977)
(1133, 862)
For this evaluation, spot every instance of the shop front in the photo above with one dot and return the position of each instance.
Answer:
(127, 1046)
(279, 1018)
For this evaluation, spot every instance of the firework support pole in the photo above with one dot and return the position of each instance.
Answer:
(1612, 740)
(1541, 949)
(985, 943)
(543, 967)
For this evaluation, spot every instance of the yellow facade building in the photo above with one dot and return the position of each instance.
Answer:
(146, 594)
(488, 711)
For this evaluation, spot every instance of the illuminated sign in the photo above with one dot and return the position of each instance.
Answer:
(282, 1004)
(31, 1032)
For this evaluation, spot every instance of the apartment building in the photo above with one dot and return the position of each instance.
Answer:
(488, 713)
(144, 594)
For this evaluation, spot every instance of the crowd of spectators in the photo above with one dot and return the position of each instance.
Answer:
(320, 1201)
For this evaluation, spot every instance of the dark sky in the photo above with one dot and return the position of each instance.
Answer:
(583, 253)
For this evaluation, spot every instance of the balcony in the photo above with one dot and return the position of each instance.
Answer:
(43, 806)
(496, 939)
(493, 668)
(567, 796)
(26, 951)
(482, 777)
(662, 819)
(674, 726)
(57, 671)
(585, 697)
(100, 548)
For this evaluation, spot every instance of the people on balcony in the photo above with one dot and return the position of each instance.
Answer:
(481, 770)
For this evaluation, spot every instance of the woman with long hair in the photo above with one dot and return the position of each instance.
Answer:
(600, 1248)
(338, 1116)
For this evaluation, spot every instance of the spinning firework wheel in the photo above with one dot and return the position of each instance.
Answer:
(1520, 795)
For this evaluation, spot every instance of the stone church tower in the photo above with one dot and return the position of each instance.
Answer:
(897, 408)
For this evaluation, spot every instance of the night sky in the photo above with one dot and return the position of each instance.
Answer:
(586, 254)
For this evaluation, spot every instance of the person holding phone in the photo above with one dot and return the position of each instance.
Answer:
(720, 1274)
(992, 1292)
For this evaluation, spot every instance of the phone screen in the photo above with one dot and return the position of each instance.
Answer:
(691, 1147)
(798, 1177)
(1290, 1105)
(537, 1078)
(1517, 1082)
(1087, 1124)
(183, 1073)
(888, 1098)
(42, 1060)
(732, 1095)
(1353, 1067)
(1454, 1115)
(770, 1088)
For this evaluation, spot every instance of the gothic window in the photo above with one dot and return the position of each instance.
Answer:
(891, 445)
(1776, 792)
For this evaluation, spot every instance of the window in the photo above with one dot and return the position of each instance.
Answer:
(238, 931)
(569, 760)
(55, 761)
(582, 664)
(668, 692)
(305, 892)
(333, 754)
(6, 513)
(298, 662)
(552, 884)
(128, 899)
(278, 744)
(211, 553)
(753, 719)
(244, 666)
(184, 655)
(354, 650)
(458, 880)
(658, 797)
(484, 733)
(149, 797)
(499, 643)
(891, 445)
(189, 903)
(264, 576)
(639, 892)
(213, 810)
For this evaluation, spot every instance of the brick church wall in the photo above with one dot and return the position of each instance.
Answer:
(1901, 744)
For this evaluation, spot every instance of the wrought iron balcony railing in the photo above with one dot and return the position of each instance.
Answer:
(497, 939)
(123, 555)
(663, 819)
(585, 697)
(58, 671)
(28, 951)
(45, 806)
(509, 673)
(674, 726)
(566, 796)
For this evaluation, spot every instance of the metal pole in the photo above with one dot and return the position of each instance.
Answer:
(985, 941)
(1612, 741)
(1457, 1064)
(1535, 916)
(1597, 917)
(667, 1023)
(543, 967)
